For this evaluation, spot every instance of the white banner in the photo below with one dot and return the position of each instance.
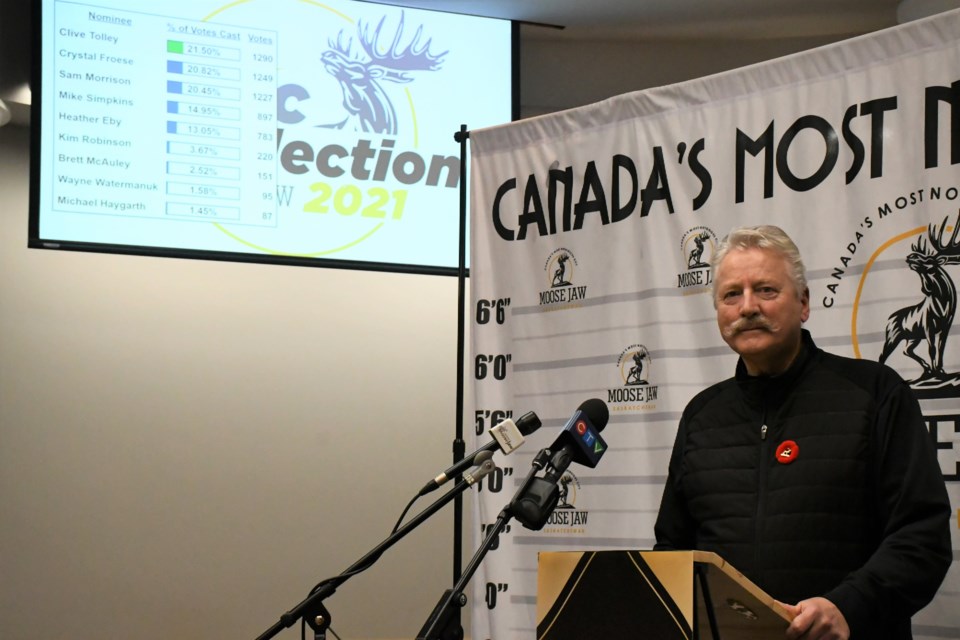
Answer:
(591, 234)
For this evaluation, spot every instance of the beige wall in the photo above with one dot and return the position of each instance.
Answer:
(187, 447)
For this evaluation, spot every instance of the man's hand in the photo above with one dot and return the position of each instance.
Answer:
(816, 619)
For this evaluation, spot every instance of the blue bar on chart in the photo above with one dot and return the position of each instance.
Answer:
(221, 127)
(203, 130)
(198, 190)
(201, 170)
(203, 110)
(201, 90)
(203, 150)
(202, 211)
(203, 70)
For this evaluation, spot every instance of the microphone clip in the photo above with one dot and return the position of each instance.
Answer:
(484, 469)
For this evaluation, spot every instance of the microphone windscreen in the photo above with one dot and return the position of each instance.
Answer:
(597, 411)
(528, 423)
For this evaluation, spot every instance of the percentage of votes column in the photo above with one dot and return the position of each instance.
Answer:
(221, 124)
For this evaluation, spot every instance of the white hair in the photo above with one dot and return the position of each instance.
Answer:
(762, 237)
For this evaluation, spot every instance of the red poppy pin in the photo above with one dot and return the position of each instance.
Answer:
(787, 452)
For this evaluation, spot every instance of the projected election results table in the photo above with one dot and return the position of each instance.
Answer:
(164, 118)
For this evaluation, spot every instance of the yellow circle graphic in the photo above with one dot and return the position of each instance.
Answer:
(375, 226)
(906, 235)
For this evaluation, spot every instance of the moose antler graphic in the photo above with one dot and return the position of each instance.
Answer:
(694, 260)
(559, 272)
(635, 375)
(363, 97)
(932, 317)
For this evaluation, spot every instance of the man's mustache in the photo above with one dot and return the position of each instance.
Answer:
(747, 324)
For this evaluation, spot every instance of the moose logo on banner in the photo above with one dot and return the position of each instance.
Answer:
(928, 321)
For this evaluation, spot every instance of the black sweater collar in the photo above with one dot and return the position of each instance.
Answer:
(771, 389)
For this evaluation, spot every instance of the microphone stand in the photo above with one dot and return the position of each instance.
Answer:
(311, 608)
(437, 626)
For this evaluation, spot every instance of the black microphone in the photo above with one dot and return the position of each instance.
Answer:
(507, 437)
(580, 439)
(579, 442)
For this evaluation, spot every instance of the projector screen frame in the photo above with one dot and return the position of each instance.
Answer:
(35, 240)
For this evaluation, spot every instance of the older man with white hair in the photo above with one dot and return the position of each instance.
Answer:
(811, 473)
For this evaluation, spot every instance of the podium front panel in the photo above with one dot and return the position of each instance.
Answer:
(650, 594)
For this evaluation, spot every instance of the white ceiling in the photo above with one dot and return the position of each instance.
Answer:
(623, 21)
(683, 19)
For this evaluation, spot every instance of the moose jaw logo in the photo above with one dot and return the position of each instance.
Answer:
(359, 74)
(559, 268)
(635, 374)
(931, 319)
(693, 246)
(566, 518)
(634, 364)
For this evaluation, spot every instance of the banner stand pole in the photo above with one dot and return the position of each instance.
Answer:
(459, 450)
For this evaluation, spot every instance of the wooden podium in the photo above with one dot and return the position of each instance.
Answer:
(653, 595)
